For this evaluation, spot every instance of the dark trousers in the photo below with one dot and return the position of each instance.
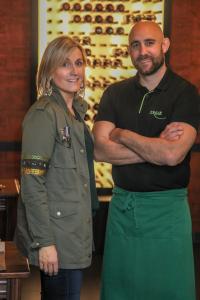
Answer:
(66, 285)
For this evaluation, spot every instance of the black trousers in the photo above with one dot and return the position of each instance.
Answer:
(66, 285)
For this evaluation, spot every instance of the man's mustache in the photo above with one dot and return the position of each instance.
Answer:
(142, 57)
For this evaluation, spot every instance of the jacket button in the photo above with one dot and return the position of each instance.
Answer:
(82, 150)
(58, 213)
(37, 244)
(85, 185)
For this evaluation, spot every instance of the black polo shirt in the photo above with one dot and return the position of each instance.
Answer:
(131, 106)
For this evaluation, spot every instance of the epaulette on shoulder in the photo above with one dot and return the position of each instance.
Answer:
(42, 103)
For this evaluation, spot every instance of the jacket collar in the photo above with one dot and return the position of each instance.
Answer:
(79, 104)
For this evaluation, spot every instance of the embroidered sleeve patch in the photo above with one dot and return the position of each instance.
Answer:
(34, 165)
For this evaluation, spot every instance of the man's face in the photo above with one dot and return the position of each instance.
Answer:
(145, 48)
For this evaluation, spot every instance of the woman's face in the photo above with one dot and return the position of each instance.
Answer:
(69, 77)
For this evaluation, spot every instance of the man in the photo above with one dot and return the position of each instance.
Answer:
(145, 127)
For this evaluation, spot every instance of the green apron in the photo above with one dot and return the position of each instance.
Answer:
(148, 248)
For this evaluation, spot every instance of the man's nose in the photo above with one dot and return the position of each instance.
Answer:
(143, 49)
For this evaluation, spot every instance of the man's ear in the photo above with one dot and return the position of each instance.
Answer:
(165, 45)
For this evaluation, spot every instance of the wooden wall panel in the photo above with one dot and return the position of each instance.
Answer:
(9, 164)
(185, 39)
(185, 60)
(15, 72)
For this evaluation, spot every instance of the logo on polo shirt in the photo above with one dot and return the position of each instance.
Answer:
(157, 114)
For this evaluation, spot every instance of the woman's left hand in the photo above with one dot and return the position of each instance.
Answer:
(48, 260)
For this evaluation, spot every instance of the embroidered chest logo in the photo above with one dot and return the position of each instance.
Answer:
(157, 114)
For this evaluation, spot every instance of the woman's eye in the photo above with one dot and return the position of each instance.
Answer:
(79, 63)
(66, 64)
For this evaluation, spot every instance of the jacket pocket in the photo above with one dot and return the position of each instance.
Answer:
(59, 211)
(64, 219)
(63, 157)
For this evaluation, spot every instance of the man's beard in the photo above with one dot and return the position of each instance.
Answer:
(157, 63)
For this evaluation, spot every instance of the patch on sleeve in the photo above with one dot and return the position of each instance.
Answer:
(34, 165)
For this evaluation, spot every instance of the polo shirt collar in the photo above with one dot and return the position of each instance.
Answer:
(163, 84)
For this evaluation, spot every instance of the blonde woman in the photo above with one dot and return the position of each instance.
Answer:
(58, 194)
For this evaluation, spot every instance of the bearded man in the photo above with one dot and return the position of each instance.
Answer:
(145, 127)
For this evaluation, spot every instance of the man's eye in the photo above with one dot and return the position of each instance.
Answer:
(134, 45)
(149, 43)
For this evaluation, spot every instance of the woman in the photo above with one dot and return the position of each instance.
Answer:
(54, 228)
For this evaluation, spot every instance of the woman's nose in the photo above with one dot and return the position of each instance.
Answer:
(73, 69)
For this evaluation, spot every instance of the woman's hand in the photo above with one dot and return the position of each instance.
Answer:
(48, 260)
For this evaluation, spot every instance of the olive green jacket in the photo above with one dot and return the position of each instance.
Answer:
(55, 203)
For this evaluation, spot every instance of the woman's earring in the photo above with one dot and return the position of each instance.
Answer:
(81, 92)
(48, 91)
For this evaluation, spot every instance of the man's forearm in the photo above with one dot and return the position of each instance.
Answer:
(154, 150)
(117, 154)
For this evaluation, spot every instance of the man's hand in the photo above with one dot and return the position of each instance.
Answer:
(48, 260)
(172, 131)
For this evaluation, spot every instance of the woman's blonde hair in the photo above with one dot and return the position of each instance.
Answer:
(53, 57)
